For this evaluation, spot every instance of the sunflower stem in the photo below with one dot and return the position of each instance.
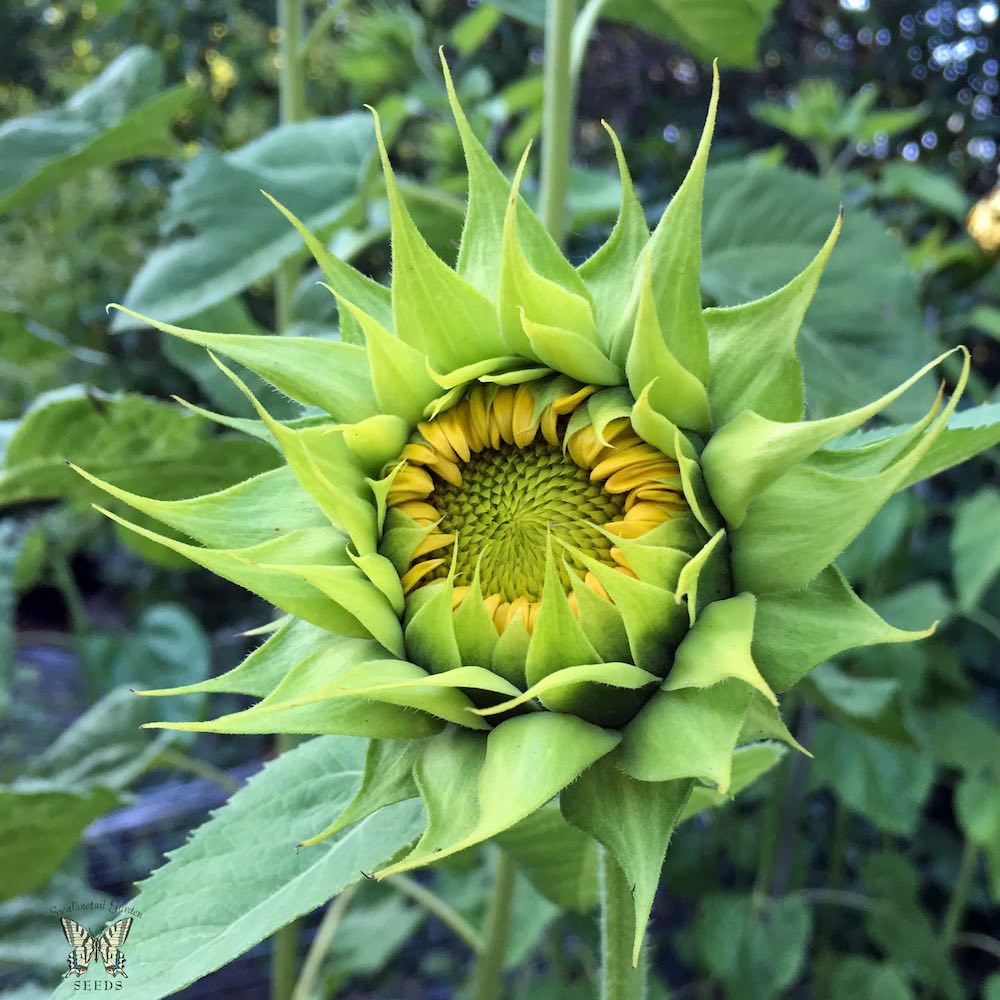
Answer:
(291, 108)
(557, 116)
(620, 980)
(487, 976)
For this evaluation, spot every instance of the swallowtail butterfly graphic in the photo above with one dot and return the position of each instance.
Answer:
(108, 944)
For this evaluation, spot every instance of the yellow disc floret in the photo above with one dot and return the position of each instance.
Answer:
(508, 470)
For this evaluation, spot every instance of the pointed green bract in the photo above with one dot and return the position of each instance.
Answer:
(399, 379)
(253, 569)
(634, 820)
(484, 219)
(527, 761)
(751, 452)
(569, 352)
(674, 258)
(686, 734)
(263, 669)
(610, 271)
(524, 292)
(752, 348)
(798, 630)
(671, 389)
(251, 512)
(327, 470)
(808, 517)
(718, 647)
(387, 779)
(323, 373)
(558, 639)
(301, 703)
(433, 309)
(343, 280)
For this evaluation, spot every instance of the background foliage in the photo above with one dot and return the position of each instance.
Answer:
(137, 135)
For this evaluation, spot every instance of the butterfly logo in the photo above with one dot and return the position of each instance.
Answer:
(108, 945)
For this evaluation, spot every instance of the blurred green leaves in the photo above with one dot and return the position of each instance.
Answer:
(762, 225)
(121, 115)
(755, 945)
(128, 440)
(223, 235)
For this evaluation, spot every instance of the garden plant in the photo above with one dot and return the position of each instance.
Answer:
(546, 527)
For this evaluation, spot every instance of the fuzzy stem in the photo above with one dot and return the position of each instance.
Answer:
(487, 976)
(619, 980)
(291, 108)
(557, 117)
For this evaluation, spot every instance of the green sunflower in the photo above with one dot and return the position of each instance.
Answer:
(547, 530)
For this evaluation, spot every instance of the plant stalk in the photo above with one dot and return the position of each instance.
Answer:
(308, 979)
(619, 979)
(487, 976)
(557, 117)
(437, 907)
(285, 954)
(291, 108)
(960, 897)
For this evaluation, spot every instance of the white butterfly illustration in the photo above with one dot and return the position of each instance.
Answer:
(108, 945)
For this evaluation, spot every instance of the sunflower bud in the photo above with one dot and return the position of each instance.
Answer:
(564, 533)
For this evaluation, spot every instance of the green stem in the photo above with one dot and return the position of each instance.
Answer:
(285, 955)
(619, 979)
(487, 976)
(582, 31)
(557, 117)
(291, 108)
(435, 905)
(960, 896)
(182, 762)
(324, 21)
(308, 979)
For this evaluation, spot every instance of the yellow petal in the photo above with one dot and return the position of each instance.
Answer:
(417, 572)
(566, 404)
(525, 426)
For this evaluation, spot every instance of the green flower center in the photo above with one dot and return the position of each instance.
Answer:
(510, 500)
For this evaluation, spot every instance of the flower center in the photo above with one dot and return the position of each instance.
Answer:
(509, 471)
(509, 501)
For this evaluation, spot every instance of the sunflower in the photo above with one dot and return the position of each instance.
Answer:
(545, 530)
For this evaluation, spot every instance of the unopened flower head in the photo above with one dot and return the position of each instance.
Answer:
(547, 530)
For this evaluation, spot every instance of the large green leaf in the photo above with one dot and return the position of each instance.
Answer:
(120, 116)
(39, 825)
(239, 878)
(226, 235)
(726, 30)
(863, 332)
